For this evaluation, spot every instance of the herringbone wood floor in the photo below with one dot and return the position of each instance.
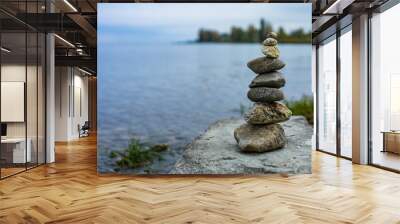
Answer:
(70, 191)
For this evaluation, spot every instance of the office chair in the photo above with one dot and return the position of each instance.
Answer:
(84, 130)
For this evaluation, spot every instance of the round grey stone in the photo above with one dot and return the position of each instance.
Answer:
(265, 94)
(260, 138)
(264, 65)
(273, 80)
(270, 42)
(270, 51)
(272, 35)
(267, 113)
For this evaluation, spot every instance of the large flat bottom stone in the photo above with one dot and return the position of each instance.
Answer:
(216, 152)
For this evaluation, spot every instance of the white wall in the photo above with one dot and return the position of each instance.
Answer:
(71, 102)
(12, 73)
(62, 82)
(33, 127)
(80, 110)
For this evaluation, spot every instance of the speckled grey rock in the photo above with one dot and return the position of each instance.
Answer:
(264, 65)
(216, 152)
(265, 94)
(270, 42)
(270, 51)
(272, 35)
(259, 138)
(273, 80)
(267, 113)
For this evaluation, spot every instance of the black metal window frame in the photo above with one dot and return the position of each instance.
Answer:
(381, 9)
(333, 37)
(389, 4)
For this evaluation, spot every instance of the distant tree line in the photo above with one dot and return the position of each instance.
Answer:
(251, 34)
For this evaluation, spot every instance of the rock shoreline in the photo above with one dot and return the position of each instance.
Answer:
(216, 152)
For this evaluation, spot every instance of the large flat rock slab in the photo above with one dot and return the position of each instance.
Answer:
(216, 152)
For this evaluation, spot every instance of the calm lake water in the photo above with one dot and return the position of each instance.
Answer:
(171, 93)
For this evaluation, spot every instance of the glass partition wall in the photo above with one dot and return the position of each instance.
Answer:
(22, 101)
(13, 86)
(385, 89)
(345, 108)
(334, 88)
(326, 119)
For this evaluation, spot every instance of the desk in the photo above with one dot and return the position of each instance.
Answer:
(18, 151)
(391, 141)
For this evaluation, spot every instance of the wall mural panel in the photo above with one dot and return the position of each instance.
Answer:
(204, 88)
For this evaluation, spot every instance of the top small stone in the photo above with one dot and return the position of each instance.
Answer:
(272, 35)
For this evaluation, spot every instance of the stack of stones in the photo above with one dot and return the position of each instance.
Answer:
(261, 132)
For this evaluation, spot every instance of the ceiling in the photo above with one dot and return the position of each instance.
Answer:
(330, 15)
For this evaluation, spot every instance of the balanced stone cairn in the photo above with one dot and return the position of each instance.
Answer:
(262, 132)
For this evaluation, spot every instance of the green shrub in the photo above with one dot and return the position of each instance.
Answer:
(137, 155)
(303, 106)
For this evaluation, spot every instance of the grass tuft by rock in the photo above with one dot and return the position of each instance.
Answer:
(137, 155)
(303, 106)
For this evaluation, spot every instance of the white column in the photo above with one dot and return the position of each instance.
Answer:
(360, 90)
(314, 91)
(50, 91)
(50, 99)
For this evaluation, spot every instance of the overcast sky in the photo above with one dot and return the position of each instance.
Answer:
(162, 22)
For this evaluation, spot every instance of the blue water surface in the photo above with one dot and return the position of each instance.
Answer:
(171, 93)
